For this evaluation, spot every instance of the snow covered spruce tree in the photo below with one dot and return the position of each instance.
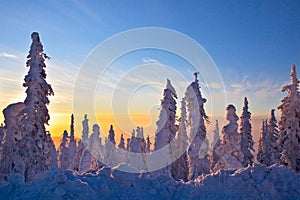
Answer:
(166, 130)
(121, 152)
(72, 144)
(32, 150)
(180, 166)
(111, 135)
(85, 130)
(63, 161)
(128, 144)
(246, 135)
(138, 158)
(289, 124)
(148, 144)
(273, 135)
(95, 143)
(81, 145)
(198, 149)
(79, 151)
(215, 144)
(229, 152)
(263, 154)
(10, 158)
(53, 160)
(110, 158)
(122, 142)
(92, 154)
(216, 138)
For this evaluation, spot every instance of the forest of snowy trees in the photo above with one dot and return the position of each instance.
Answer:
(26, 146)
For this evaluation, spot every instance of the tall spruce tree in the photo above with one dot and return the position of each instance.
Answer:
(273, 135)
(216, 133)
(110, 158)
(246, 135)
(263, 154)
(32, 149)
(72, 144)
(148, 144)
(198, 149)
(166, 130)
(63, 161)
(85, 130)
(180, 167)
(289, 124)
(122, 142)
(81, 145)
(215, 144)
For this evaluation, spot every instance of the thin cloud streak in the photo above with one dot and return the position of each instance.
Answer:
(8, 55)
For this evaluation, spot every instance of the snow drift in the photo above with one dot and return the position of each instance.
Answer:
(257, 182)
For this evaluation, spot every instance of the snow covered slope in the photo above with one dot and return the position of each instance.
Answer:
(258, 182)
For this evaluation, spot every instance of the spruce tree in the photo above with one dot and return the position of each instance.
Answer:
(216, 133)
(128, 144)
(63, 161)
(263, 154)
(122, 143)
(121, 151)
(229, 153)
(273, 135)
(111, 135)
(79, 151)
(10, 160)
(166, 130)
(53, 160)
(81, 145)
(31, 151)
(72, 144)
(180, 167)
(110, 158)
(95, 148)
(148, 144)
(91, 156)
(85, 130)
(215, 145)
(198, 149)
(246, 135)
(289, 124)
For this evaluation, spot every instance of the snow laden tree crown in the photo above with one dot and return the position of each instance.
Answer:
(199, 147)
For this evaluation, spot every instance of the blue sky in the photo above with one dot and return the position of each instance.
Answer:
(253, 43)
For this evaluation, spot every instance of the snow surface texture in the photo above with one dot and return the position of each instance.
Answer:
(257, 182)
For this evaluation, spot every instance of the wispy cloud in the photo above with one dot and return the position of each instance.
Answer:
(149, 60)
(263, 95)
(7, 55)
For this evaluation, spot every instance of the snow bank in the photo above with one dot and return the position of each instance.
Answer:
(258, 182)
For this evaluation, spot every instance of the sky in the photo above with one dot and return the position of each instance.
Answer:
(252, 45)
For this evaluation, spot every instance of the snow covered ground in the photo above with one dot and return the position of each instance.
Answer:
(257, 182)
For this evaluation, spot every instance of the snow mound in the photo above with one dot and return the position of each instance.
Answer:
(257, 182)
(11, 114)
